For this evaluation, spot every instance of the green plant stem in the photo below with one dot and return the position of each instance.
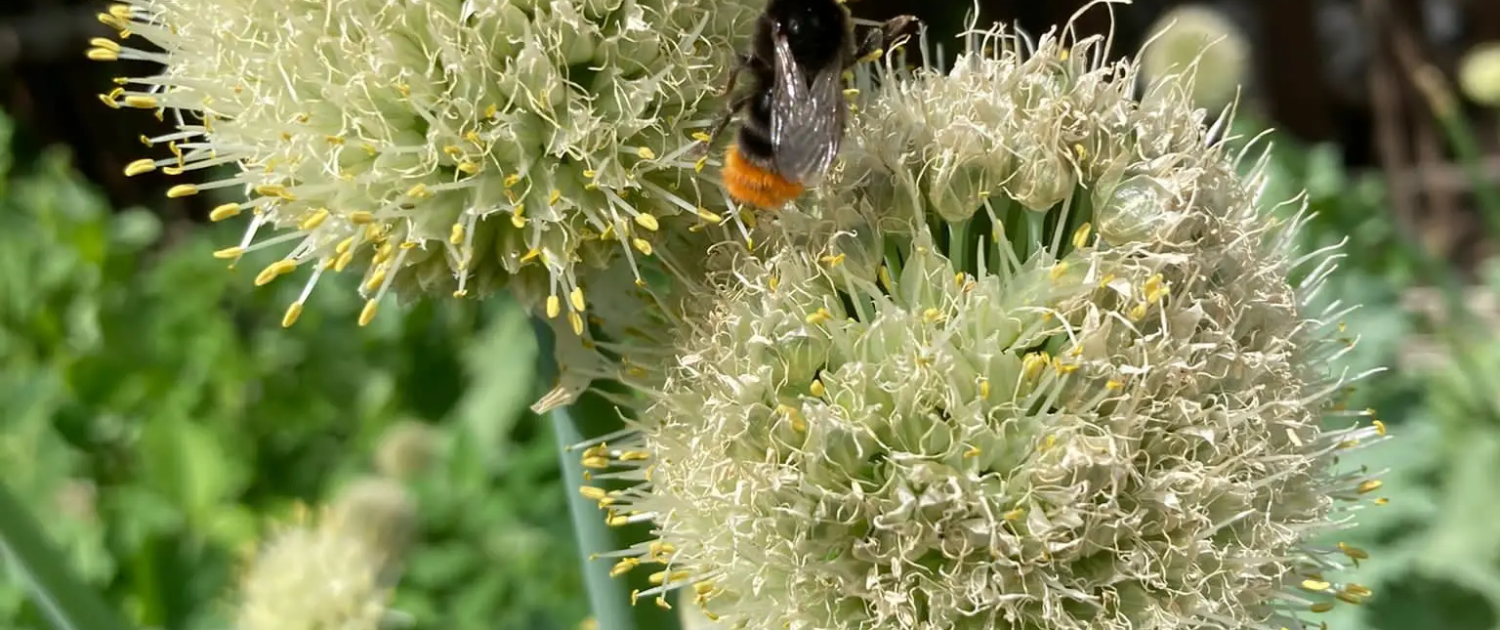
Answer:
(62, 597)
(609, 597)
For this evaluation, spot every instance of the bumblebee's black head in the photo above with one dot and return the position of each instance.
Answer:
(817, 30)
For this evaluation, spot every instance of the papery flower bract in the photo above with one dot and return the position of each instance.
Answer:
(1079, 391)
(314, 576)
(1202, 36)
(452, 145)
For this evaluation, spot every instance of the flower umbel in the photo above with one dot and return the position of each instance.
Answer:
(315, 576)
(1078, 390)
(448, 145)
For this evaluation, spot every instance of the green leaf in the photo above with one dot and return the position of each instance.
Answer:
(65, 601)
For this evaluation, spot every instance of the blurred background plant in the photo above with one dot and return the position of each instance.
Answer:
(164, 427)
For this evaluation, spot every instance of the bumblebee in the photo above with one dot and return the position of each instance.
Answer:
(793, 113)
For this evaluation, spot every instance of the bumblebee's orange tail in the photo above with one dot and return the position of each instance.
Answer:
(750, 183)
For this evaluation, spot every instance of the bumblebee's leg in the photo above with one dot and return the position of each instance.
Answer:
(875, 39)
(736, 103)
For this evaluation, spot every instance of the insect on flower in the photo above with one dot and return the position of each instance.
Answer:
(795, 110)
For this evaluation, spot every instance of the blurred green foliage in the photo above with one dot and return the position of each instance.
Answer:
(158, 420)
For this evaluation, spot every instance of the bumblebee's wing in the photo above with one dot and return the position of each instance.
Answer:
(807, 122)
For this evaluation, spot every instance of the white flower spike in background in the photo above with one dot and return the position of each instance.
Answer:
(1079, 391)
(1202, 36)
(318, 575)
(447, 146)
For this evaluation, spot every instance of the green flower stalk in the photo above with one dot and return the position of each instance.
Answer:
(1197, 35)
(1037, 361)
(440, 147)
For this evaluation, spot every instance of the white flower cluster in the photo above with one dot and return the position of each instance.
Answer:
(454, 145)
(315, 576)
(1077, 391)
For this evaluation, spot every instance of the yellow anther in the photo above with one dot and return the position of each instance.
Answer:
(229, 253)
(292, 313)
(1033, 362)
(512, 179)
(1321, 607)
(634, 456)
(819, 316)
(1354, 553)
(884, 275)
(1137, 312)
(456, 234)
(224, 212)
(343, 260)
(274, 271)
(617, 521)
(576, 299)
(182, 190)
(647, 221)
(1370, 486)
(1081, 236)
(367, 314)
(661, 602)
(314, 220)
(1350, 598)
(1315, 585)
(592, 493)
(344, 245)
(702, 137)
(468, 168)
(171, 170)
(274, 190)
(138, 167)
(531, 254)
(554, 306)
(553, 196)
(643, 245)
(576, 321)
(377, 277)
(595, 462)
(1058, 270)
(361, 217)
(142, 101)
(1113, 384)
(984, 389)
(1379, 427)
(491, 111)
(645, 153)
(1014, 515)
(972, 452)
(700, 164)
(773, 283)
(624, 566)
(104, 54)
(1359, 590)
(1382, 501)
(834, 261)
(817, 388)
(419, 192)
